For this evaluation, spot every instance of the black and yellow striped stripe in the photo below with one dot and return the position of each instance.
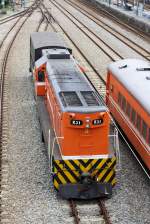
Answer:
(69, 171)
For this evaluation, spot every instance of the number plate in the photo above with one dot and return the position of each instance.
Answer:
(97, 121)
(76, 122)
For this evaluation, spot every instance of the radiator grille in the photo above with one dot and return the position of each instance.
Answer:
(90, 98)
(70, 99)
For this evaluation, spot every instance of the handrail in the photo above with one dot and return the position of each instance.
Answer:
(52, 151)
(116, 147)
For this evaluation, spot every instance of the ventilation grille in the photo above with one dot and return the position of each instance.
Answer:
(70, 99)
(90, 98)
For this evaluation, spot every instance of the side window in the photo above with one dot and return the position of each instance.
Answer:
(111, 88)
(138, 122)
(128, 111)
(149, 137)
(144, 129)
(133, 113)
(41, 76)
(119, 98)
(123, 103)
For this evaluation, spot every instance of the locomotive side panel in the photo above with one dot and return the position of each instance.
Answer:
(53, 110)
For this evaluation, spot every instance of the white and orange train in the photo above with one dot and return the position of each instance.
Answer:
(128, 98)
(75, 122)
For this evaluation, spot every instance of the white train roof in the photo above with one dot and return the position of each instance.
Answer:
(134, 74)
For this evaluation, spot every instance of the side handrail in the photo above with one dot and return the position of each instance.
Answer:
(116, 147)
(51, 151)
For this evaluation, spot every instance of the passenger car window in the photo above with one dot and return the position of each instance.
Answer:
(144, 129)
(111, 88)
(138, 122)
(128, 111)
(123, 103)
(119, 98)
(133, 113)
(149, 137)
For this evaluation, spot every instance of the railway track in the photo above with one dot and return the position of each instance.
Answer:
(107, 49)
(109, 15)
(12, 27)
(100, 86)
(94, 212)
(45, 18)
(115, 55)
(16, 15)
(99, 21)
(3, 96)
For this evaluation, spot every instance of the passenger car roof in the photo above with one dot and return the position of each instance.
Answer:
(134, 74)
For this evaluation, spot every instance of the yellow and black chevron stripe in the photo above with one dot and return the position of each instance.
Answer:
(69, 171)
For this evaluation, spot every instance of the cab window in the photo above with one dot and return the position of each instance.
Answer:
(149, 137)
(41, 77)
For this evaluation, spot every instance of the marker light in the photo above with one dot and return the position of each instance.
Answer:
(87, 125)
(87, 120)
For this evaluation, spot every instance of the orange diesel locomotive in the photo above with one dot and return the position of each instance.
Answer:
(128, 90)
(74, 121)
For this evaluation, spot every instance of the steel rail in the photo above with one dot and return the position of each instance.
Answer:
(74, 211)
(40, 23)
(4, 63)
(117, 55)
(127, 41)
(105, 12)
(103, 212)
(14, 16)
(46, 17)
(83, 55)
(2, 89)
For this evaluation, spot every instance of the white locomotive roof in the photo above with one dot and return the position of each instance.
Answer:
(134, 74)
